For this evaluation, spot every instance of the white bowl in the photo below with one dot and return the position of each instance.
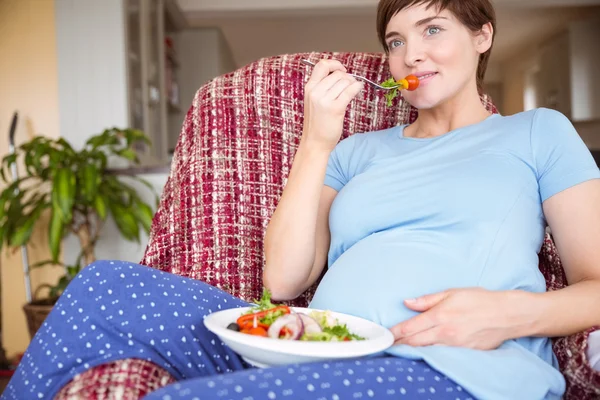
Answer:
(265, 352)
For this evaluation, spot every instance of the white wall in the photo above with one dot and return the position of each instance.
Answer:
(92, 77)
(92, 73)
(203, 55)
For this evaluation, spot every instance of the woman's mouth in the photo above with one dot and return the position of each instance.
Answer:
(425, 77)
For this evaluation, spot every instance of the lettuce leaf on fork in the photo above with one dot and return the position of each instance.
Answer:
(390, 95)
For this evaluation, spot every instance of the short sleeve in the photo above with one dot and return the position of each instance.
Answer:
(338, 166)
(561, 158)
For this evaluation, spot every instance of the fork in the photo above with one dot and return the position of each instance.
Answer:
(362, 78)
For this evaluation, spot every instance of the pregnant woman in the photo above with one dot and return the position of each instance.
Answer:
(431, 229)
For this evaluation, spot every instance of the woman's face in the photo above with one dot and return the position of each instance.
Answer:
(437, 48)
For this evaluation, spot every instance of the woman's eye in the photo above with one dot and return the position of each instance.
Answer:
(433, 30)
(395, 43)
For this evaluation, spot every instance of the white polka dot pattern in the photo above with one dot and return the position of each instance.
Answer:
(116, 310)
(376, 378)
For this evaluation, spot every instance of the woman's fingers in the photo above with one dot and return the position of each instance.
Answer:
(425, 338)
(322, 88)
(334, 92)
(349, 93)
(322, 70)
(328, 93)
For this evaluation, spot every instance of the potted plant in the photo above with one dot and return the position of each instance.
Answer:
(77, 192)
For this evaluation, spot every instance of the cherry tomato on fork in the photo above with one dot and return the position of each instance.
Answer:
(413, 82)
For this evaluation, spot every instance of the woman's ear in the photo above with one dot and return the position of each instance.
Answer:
(483, 40)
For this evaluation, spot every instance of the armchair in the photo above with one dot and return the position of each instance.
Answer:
(234, 154)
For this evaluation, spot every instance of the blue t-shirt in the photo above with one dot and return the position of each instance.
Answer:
(419, 216)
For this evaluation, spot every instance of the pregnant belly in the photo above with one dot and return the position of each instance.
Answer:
(373, 278)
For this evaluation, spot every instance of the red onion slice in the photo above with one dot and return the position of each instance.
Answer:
(310, 324)
(293, 322)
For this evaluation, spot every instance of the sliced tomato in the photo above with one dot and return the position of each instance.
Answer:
(258, 331)
(243, 320)
(250, 324)
(285, 332)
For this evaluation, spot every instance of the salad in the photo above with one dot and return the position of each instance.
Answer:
(280, 322)
(410, 83)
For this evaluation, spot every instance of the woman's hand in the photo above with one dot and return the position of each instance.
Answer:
(474, 318)
(327, 95)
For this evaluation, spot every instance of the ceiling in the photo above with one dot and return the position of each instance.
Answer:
(261, 28)
(213, 8)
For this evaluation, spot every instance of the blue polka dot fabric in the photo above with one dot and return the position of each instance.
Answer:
(115, 310)
(378, 378)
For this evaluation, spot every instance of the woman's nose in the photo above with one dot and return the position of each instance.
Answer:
(414, 55)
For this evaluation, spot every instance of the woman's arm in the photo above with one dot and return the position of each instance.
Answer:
(297, 238)
(574, 218)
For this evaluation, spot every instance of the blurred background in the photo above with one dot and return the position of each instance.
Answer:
(73, 68)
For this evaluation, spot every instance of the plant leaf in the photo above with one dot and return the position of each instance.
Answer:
(36, 159)
(100, 206)
(55, 233)
(63, 193)
(25, 228)
(7, 161)
(66, 146)
(128, 154)
(90, 182)
(43, 263)
(4, 196)
(144, 214)
(14, 214)
(136, 135)
(22, 233)
(73, 270)
(98, 140)
(126, 222)
(60, 287)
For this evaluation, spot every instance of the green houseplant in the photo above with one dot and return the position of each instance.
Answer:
(76, 191)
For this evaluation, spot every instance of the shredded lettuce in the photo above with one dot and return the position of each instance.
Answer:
(323, 318)
(265, 304)
(342, 332)
(332, 329)
(269, 318)
(390, 95)
(319, 337)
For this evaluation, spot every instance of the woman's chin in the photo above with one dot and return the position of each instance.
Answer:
(422, 102)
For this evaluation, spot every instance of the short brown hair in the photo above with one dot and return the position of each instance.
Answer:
(471, 13)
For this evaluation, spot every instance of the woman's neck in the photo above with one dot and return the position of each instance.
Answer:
(462, 110)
